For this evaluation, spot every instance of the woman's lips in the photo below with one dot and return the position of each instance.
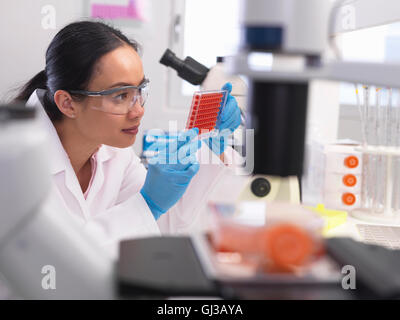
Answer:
(131, 130)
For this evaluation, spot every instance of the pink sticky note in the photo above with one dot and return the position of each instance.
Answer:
(106, 11)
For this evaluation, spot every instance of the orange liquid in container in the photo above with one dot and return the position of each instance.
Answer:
(285, 246)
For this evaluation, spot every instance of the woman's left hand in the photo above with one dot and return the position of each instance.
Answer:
(227, 123)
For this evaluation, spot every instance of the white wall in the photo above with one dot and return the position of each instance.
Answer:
(24, 41)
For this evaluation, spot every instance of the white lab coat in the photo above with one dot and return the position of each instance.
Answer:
(114, 209)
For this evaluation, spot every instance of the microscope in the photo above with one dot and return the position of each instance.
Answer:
(256, 187)
(297, 34)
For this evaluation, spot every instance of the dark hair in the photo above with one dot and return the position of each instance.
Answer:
(71, 58)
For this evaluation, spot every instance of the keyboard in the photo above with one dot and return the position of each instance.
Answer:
(386, 236)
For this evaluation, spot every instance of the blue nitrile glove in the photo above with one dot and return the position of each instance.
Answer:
(169, 173)
(228, 122)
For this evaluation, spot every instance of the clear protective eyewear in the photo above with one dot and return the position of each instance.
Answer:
(119, 100)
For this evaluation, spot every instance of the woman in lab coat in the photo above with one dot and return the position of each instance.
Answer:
(90, 99)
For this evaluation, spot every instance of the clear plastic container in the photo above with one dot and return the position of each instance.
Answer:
(277, 237)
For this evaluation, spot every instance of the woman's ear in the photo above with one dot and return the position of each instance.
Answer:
(64, 103)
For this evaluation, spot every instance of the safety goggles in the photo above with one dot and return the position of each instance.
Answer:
(119, 100)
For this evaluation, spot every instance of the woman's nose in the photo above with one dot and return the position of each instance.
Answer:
(137, 111)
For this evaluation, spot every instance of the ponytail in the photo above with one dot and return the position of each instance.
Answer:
(40, 82)
(37, 82)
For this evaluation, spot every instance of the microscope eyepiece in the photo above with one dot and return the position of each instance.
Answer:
(169, 59)
(188, 69)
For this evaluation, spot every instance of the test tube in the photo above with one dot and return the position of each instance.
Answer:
(390, 123)
(368, 113)
(397, 125)
(362, 111)
(389, 118)
(380, 160)
(364, 128)
(396, 185)
(396, 160)
(365, 188)
(376, 133)
(368, 174)
(372, 163)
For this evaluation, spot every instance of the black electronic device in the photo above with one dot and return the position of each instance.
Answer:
(161, 266)
(188, 69)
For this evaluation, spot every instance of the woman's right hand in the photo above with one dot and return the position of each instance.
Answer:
(170, 172)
